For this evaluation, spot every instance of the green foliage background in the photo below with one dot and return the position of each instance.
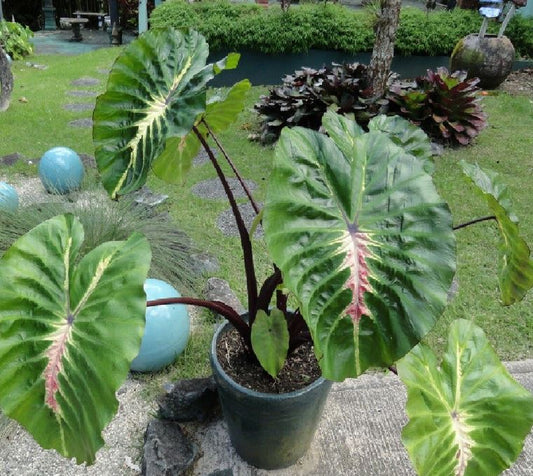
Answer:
(328, 27)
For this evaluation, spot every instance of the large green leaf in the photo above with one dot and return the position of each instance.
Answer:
(515, 266)
(467, 416)
(156, 89)
(411, 138)
(221, 111)
(69, 329)
(363, 240)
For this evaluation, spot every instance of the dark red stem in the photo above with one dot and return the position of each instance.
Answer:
(473, 222)
(217, 306)
(246, 244)
(232, 165)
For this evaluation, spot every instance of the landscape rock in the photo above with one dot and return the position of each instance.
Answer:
(83, 122)
(145, 196)
(189, 400)
(212, 189)
(86, 81)
(226, 221)
(167, 450)
(205, 263)
(10, 159)
(217, 289)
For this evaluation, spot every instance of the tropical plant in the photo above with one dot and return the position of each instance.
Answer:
(357, 232)
(307, 94)
(446, 106)
(15, 39)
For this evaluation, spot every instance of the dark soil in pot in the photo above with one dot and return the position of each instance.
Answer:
(300, 370)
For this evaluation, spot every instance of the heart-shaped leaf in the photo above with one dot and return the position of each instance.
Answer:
(270, 340)
(411, 138)
(69, 329)
(515, 266)
(156, 89)
(364, 242)
(221, 111)
(468, 416)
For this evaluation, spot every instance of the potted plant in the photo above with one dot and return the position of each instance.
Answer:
(357, 232)
(487, 56)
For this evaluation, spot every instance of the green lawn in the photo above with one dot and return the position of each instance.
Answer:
(39, 122)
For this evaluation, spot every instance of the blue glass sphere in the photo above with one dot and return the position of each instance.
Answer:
(61, 170)
(166, 332)
(9, 199)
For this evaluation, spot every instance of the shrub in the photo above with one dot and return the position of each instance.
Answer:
(446, 106)
(15, 39)
(328, 27)
(520, 32)
(307, 94)
(248, 26)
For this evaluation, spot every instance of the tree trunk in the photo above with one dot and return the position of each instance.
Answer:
(383, 52)
(6, 80)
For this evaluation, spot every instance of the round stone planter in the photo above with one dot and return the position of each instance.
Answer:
(268, 431)
(489, 58)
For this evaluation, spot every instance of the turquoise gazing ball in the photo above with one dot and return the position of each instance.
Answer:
(166, 332)
(9, 199)
(61, 170)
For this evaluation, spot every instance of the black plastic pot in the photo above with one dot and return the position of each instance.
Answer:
(267, 430)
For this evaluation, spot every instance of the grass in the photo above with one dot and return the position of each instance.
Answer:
(505, 146)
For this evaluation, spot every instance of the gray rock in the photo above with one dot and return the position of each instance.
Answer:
(217, 289)
(205, 263)
(167, 451)
(226, 221)
(10, 159)
(189, 400)
(454, 289)
(82, 93)
(85, 122)
(87, 81)
(146, 197)
(42, 67)
(222, 472)
(213, 190)
(202, 158)
(437, 149)
(88, 161)
(79, 107)
(6, 81)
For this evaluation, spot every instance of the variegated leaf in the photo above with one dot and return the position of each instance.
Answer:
(156, 89)
(468, 416)
(221, 111)
(363, 240)
(69, 329)
(515, 266)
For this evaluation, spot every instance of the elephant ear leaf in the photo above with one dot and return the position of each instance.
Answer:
(411, 138)
(468, 416)
(69, 329)
(221, 111)
(156, 89)
(515, 264)
(363, 241)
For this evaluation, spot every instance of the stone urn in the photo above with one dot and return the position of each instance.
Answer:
(490, 58)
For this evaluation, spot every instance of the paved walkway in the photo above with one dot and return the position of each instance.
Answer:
(359, 434)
